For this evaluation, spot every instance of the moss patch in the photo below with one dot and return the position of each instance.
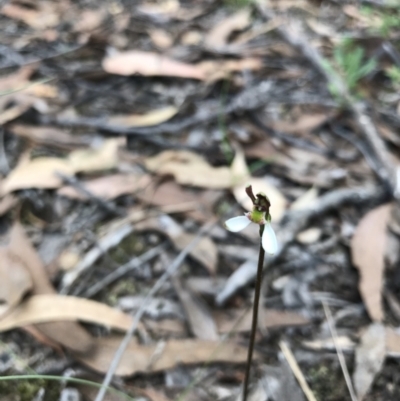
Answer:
(26, 390)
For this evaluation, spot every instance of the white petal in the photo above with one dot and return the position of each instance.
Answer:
(236, 224)
(269, 242)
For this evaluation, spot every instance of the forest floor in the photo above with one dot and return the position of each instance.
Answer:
(129, 132)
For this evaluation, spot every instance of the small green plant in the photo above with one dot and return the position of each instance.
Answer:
(384, 21)
(351, 61)
(393, 73)
(388, 23)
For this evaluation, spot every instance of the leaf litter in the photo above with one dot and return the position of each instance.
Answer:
(122, 131)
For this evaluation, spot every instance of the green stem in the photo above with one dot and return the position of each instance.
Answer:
(255, 316)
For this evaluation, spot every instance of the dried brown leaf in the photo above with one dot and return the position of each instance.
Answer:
(42, 171)
(367, 250)
(306, 123)
(108, 187)
(239, 320)
(190, 169)
(48, 135)
(392, 341)
(198, 315)
(153, 394)
(165, 355)
(161, 38)
(215, 70)
(55, 308)
(153, 117)
(68, 334)
(41, 18)
(7, 203)
(13, 112)
(219, 34)
(149, 64)
(104, 157)
(89, 20)
(15, 280)
(37, 173)
(370, 355)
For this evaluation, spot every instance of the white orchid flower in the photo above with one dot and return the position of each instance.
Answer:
(260, 216)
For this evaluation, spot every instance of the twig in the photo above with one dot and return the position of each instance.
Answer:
(172, 269)
(364, 122)
(110, 240)
(297, 371)
(249, 99)
(339, 352)
(124, 269)
(253, 332)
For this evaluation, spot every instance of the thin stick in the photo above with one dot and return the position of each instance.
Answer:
(339, 351)
(291, 360)
(255, 316)
(172, 269)
(133, 264)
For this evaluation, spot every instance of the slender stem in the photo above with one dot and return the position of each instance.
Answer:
(255, 316)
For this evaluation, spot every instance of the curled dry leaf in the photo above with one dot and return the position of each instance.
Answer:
(189, 168)
(108, 187)
(239, 320)
(56, 308)
(219, 34)
(164, 355)
(103, 157)
(367, 250)
(43, 16)
(49, 135)
(37, 173)
(198, 315)
(370, 355)
(42, 171)
(170, 194)
(149, 64)
(68, 334)
(153, 117)
(306, 123)
(15, 280)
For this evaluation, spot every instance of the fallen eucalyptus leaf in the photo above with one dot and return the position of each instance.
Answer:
(149, 64)
(367, 250)
(55, 308)
(153, 117)
(164, 355)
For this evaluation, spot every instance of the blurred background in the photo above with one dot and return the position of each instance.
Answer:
(129, 131)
